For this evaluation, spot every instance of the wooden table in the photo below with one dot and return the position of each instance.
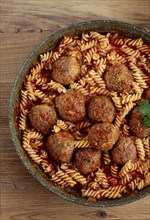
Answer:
(23, 25)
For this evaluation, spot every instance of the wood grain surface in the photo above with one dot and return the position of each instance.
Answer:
(23, 25)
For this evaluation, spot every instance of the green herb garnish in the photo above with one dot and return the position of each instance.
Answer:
(144, 108)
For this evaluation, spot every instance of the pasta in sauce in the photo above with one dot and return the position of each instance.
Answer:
(96, 55)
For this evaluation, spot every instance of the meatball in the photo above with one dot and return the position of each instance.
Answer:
(60, 146)
(42, 118)
(65, 70)
(101, 108)
(124, 150)
(103, 136)
(118, 78)
(71, 105)
(87, 160)
(136, 126)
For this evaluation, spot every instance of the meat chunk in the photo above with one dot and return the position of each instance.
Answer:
(136, 126)
(60, 146)
(71, 105)
(42, 118)
(65, 70)
(124, 150)
(103, 136)
(118, 78)
(101, 109)
(87, 160)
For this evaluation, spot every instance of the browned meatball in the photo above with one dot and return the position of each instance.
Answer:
(124, 150)
(87, 160)
(101, 108)
(136, 126)
(71, 105)
(118, 78)
(103, 136)
(65, 70)
(42, 118)
(147, 95)
(60, 146)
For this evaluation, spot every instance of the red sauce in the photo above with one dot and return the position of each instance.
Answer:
(32, 103)
(45, 73)
(113, 181)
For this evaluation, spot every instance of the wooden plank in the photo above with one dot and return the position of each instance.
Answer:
(37, 16)
(16, 48)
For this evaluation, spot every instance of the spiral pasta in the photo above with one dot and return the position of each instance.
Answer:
(37, 68)
(100, 91)
(88, 45)
(39, 94)
(91, 193)
(24, 100)
(146, 145)
(114, 170)
(64, 125)
(81, 125)
(137, 88)
(62, 178)
(133, 42)
(55, 86)
(134, 183)
(123, 113)
(22, 120)
(31, 152)
(119, 41)
(106, 158)
(82, 143)
(101, 65)
(23, 110)
(130, 52)
(30, 91)
(137, 74)
(91, 55)
(127, 109)
(116, 100)
(80, 88)
(40, 81)
(76, 175)
(140, 148)
(143, 167)
(126, 179)
(46, 56)
(144, 182)
(131, 98)
(99, 81)
(35, 135)
(56, 55)
(144, 48)
(125, 169)
(78, 135)
(118, 121)
(126, 129)
(113, 57)
(113, 192)
(101, 178)
(47, 168)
